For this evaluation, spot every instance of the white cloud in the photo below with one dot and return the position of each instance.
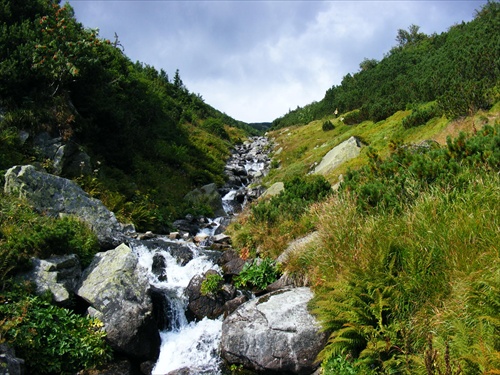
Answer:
(255, 60)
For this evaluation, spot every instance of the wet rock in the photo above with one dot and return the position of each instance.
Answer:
(116, 288)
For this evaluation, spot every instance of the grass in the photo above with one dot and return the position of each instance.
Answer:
(412, 290)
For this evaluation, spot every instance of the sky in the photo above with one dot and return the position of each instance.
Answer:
(257, 59)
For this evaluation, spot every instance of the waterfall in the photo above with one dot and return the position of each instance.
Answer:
(194, 344)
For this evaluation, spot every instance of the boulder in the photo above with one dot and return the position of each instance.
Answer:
(274, 333)
(57, 196)
(9, 363)
(208, 195)
(341, 153)
(59, 275)
(273, 190)
(117, 289)
(211, 305)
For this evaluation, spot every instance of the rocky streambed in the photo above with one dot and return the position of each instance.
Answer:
(146, 289)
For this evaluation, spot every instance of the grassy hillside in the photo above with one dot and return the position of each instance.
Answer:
(149, 138)
(404, 260)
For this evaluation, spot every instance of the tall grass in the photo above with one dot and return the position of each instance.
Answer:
(387, 281)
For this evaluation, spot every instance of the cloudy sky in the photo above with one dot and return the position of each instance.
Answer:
(257, 59)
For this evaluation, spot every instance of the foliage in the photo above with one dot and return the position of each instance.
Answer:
(421, 115)
(459, 69)
(386, 279)
(155, 140)
(293, 201)
(339, 365)
(257, 274)
(25, 234)
(211, 284)
(51, 339)
(393, 183)
(327, 125)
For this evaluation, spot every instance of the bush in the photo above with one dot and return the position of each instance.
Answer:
(211, 284)
(293, 201)
(24, 234)
(421, 115)
(258, 274)
(327, 125)
(52, 340)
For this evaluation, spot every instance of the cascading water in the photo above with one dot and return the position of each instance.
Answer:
(185, 344)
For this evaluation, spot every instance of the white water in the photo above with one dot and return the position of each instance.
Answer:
(194, 345)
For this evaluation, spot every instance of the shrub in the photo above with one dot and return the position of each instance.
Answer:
(259, 274)
(293, 201)
(24, 234)
(211, 284)
(353, 117)
(421, 115)
(327, 125)
(51, 339)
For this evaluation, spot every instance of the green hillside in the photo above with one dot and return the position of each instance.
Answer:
(150, 140)
(404, 256)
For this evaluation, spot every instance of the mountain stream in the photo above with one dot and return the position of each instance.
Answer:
(184, 343)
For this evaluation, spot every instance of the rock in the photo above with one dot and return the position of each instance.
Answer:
(273, 190)
(117, 290)
(159, 267)
(298, 246)
(9, 363)
(211, 305)
(231, 263)
(56, 196)
(58, 275)
(222, 238)
(207, 195)
(341, 153)
(119, 367)
(274, 333)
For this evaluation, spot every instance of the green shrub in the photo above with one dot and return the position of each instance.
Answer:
(353, 117)
(24, 234)
(258, 274)
(327, 125)
(51, 340)
(421, 115)
(211, 284)
(293, 201)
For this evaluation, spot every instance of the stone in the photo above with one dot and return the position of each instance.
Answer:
(117, 289)
(58, 275)
(57, 196)
(9, 363)
(338, 155)
(211, 305)
(274, 333)
(273, 190)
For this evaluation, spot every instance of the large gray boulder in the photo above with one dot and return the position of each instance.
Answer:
(274, 333)
(58, 275)
(208, 195)
(117, 289)
(57, 196)
(341, 153)
(9, 363)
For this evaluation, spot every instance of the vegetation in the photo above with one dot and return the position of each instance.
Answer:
(257, 274)
(404, 263)
(25, 234)
(74, 343)
(211, 284)
(459, 69)
(149, 138)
